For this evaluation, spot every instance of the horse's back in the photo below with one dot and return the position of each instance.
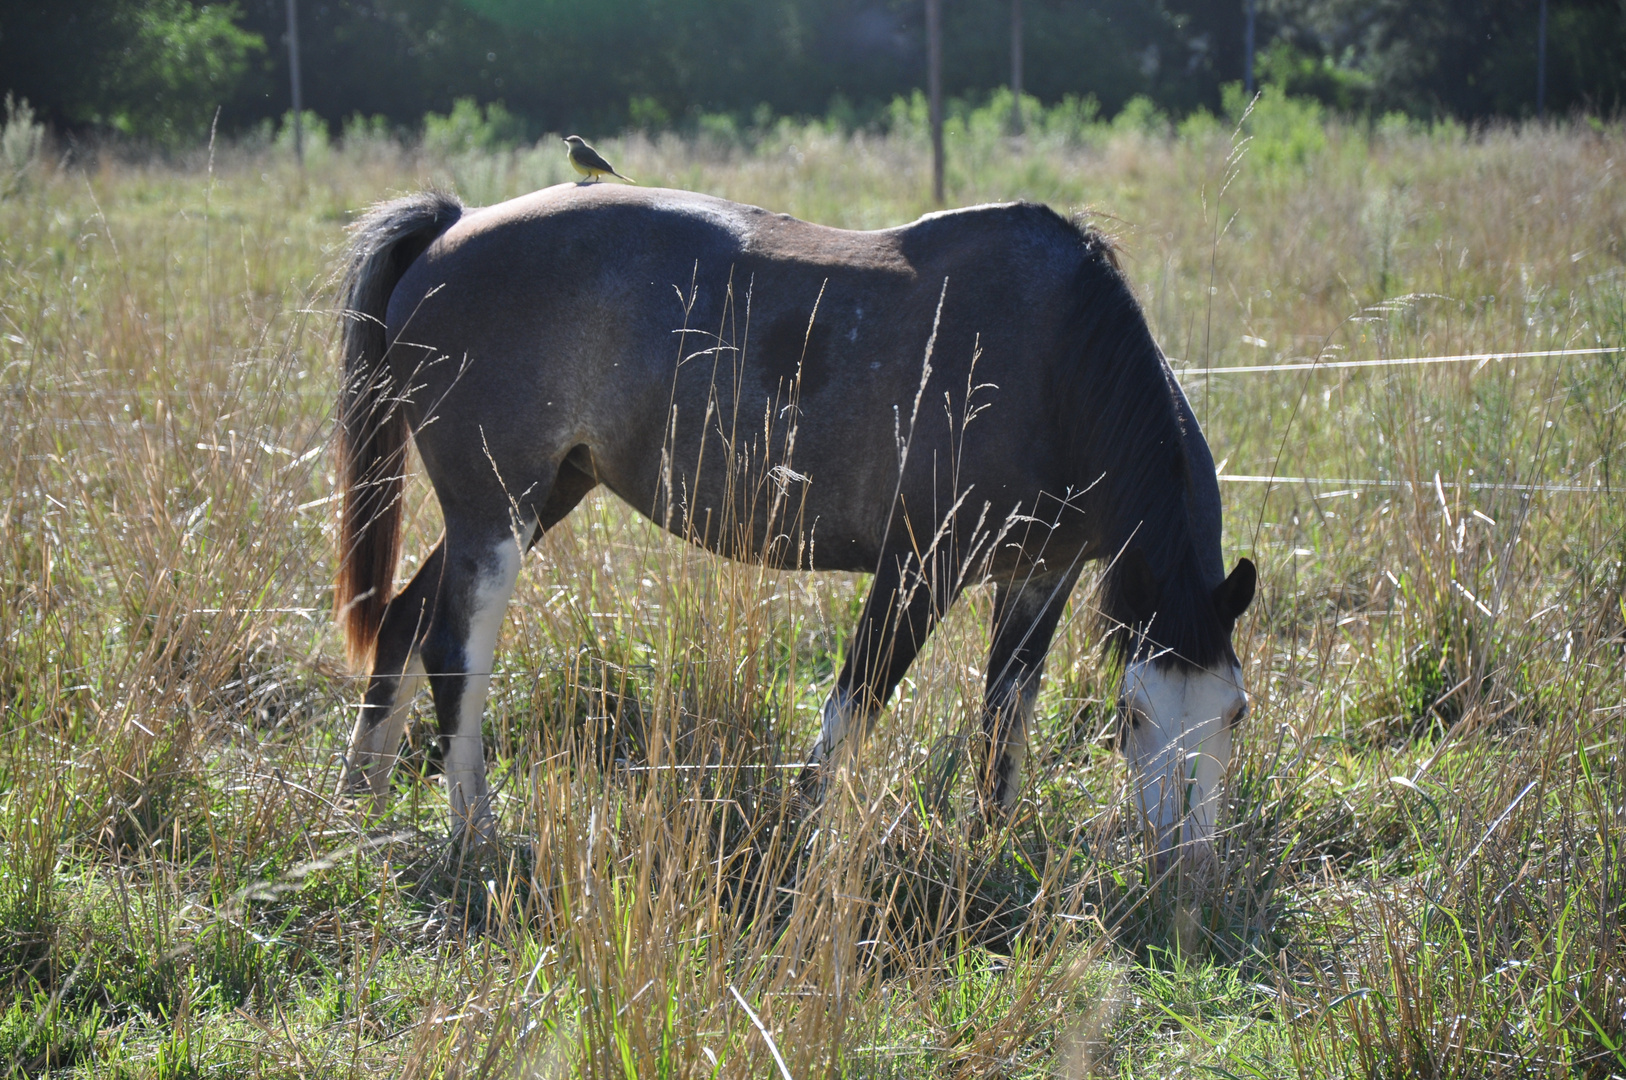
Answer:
(602, 236)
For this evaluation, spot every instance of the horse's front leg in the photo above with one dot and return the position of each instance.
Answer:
(903, 605)
(1026, 612)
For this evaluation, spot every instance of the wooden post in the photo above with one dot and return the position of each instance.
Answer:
(934, 91)
(1541, 64)
(293, 78)
(1247, 47)
(1016, 67)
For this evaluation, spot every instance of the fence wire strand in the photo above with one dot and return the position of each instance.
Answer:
(1399, 361)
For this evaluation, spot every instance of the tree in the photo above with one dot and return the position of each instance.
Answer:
(155, 69)
(1464, 58)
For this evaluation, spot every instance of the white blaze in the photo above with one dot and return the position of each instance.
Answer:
(1177, 740)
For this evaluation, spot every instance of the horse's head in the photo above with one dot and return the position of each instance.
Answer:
(1175, 725)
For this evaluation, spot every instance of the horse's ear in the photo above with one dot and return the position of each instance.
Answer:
(1235, 593)
(1137, 584)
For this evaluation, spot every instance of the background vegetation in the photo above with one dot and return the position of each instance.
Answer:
(158, 69)
(1421, 869)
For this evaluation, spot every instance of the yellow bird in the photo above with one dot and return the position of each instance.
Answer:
(585, 160)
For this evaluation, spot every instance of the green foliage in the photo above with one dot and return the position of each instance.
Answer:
(909, 116)
(180, 1057)
(1200, 126)
(1072, 121)
(1141, 116)
(720, 129)
(313, 131)
(29, 903)
(368, 135)
(468, 127)
(21, 139)
(1286, 131)
(157, 70)
(1333, 81)
(38, 1034)
(1427, 674)
(1462, 58)
(646, 114)
(359, 130)
(179, 62)
(1072, 118)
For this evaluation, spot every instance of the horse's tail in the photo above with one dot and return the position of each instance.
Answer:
(372, 429)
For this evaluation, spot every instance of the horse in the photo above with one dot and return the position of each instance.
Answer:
(974, 397)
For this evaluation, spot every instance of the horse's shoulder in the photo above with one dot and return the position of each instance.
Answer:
(1030, 225)
(1022, 237)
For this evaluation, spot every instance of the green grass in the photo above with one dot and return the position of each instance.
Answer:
(1420, 873)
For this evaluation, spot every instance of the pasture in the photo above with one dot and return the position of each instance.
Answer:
(1421, 868)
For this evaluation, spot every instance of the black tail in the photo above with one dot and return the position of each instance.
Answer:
(372, 429)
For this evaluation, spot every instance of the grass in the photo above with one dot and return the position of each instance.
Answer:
(1420, 873)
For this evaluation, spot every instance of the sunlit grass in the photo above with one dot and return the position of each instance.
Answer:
(1421, 872)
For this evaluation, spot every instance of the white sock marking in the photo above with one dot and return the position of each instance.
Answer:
(839, 718)
(375, 747)
(465, 757)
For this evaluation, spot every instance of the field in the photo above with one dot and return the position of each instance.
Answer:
(1421, 871)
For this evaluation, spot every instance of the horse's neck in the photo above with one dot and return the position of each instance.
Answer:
(1156, 521)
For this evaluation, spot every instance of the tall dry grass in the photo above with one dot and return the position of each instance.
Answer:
(1419, 872)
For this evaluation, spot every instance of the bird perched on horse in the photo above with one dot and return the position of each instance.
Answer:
(589, 162)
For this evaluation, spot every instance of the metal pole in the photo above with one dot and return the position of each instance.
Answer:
(1247, 47)
(1016, 66)
(1541, 64)
(934, 91)
(293, 77)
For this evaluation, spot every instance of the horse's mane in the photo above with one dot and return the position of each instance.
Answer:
(1128, 435)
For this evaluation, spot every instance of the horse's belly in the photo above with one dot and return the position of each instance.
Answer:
(771, 520)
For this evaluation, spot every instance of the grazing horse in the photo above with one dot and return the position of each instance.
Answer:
(974, 397)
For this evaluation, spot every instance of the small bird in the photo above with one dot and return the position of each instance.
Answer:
(585, 160)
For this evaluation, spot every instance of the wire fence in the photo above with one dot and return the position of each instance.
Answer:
(1345, 485)
(1349, 486)
(1399, 361)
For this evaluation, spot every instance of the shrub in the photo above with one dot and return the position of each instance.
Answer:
(21, 140)
(1286, 131)
(313, 132)
(1141, 116)
(647, 114)
(366, 133)
(179, 64)
(469, 127)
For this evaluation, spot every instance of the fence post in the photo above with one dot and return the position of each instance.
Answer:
(1016, 67)
(1541, 63)
(934, 91)
(1247, 47)
(293, 78)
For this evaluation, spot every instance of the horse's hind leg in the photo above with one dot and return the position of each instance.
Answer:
(396, 676)
(1025, 617)
(481, 564)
